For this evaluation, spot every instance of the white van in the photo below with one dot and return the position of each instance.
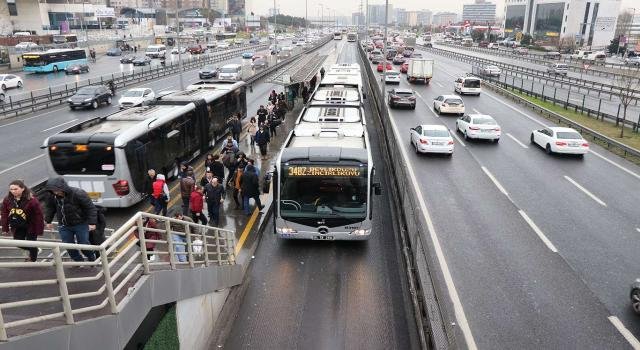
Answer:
(558, 69)
(467, 85)
(156, 51)
(580, 54)
(230, 72)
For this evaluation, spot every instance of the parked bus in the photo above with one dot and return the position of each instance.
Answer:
(352, 37)
(64, 38)
(109, 156)
(337, 36)
(225, 36)
(52, 60)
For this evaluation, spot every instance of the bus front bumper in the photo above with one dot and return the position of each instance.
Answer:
(355, 235)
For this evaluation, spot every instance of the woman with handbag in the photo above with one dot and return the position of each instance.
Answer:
(22, 216)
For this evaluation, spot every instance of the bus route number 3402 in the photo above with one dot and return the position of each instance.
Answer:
(323, 171)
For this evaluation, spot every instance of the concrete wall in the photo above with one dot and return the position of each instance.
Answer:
(28, 17)
(6, 27)
(197, 317)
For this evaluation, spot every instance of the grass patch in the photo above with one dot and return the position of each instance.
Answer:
(165, 337)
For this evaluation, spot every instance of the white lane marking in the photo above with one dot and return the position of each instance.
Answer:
(21, 164)
(440, 85)
(59, 125)
(455, 134)
(633, 341)
(451, 288)
(517, 110)
(537, 230)
(495, 181)
(585, 191)
(429, 106)
(615, 164)
(477, 111)
(517, 141)
(638, 229)
(35, 116)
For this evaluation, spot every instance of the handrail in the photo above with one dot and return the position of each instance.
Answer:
(113, 273)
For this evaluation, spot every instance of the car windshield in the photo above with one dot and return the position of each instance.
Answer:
(133, 93)
(453, 101)
(392, 73)
(228, 70)
(404, 93)
(435, 133)
(208, 68)
(492, 67)
(484, 121)
(87, 91)
(568, 135)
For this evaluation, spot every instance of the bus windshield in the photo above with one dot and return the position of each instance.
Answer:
(323, 191)
(33, 61)
(91, 159)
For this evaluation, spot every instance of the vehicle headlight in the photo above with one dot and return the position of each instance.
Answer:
(88, 100)
(285, 230)
(361, 232)
(69, 100)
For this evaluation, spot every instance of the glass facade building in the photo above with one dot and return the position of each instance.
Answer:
(548, 20)
(514, 18)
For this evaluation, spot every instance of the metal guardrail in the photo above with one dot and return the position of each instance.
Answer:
(57, 95)
(536, 58)
(565, 79)
(529, 90)
(438, 325)
(119, 266)
(608, 142)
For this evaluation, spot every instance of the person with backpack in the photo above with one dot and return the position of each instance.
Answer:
(262, 139)
(161, 195)
(229, 161)
(250, 188)
(196, 204)
(75, 212)
(22, 216)
(214, 195)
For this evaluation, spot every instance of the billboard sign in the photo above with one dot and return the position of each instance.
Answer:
(104, 12)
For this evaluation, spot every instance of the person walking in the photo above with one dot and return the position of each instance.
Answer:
(262, 139)
(75, 212)
(262, 114)
(148, 185)
(305, 94)
(270, 107)
(273, 123)
(186, 187)
(282, 110)
(251, 130)
(273, 96)
(135, 49)
(150, 246)
(161, 195)
(250, 188)
(22, 216)
(180, 241)
(236, 127)
(322, 73)
(208, 162)
(230, 142)
(214, 195)
(196, 204)
(184, 169)
(217, 168)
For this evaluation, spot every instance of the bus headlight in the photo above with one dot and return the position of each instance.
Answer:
(361, 232)
(285, 230)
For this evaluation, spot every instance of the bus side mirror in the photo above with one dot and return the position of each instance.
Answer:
(377, 189)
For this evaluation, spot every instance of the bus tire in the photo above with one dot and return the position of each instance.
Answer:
(55, 69)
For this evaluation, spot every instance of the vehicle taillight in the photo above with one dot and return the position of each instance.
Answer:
(450, 142)
(496, 129)
(121, 187)
(424, 142)
(561, 143)
(586, 144)
(474, 128)
(412, 98)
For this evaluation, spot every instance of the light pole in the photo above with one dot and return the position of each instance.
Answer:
(275, 27)
(179, 48)
(366, 19)
(321, 18)
(306, 21)
(384, 49)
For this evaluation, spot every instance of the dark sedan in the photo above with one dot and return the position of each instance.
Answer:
(128, 59)
(259, 63)
(90, 96)
(77, 69)
(114, 51)
(141, 61)
(399, 59)
(208, 72)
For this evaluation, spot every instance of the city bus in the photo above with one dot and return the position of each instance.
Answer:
(52, 60)
(225, 36)
(337, 36)
(324, 183)
(352, 37)
(109, 156)
(343, 76)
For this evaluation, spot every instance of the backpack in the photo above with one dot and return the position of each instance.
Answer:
(17, 216)
(227, 159)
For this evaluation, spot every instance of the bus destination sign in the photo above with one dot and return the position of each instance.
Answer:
(339, 171)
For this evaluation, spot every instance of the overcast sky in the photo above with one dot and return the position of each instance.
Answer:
(347, 7)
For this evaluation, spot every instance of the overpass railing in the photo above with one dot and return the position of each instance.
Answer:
(57, 291)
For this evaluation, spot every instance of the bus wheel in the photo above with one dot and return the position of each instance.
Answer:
(55, 69)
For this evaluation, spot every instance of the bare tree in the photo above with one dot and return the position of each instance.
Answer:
(628, 85)
(565, 43)
(625, 19)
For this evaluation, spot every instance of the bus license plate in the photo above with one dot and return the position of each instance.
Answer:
(323, 238)
(95, 196)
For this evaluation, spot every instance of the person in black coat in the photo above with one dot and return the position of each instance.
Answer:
(217, 168)
(262, 139)
(236, 127)
(250, 188)
(262, 114)
(75, 212)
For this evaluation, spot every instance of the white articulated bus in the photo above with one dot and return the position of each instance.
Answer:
(109, 156)
(352, 37)
(337, 36)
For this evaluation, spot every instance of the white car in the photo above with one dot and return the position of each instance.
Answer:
(560, 140)
(175, 50)
(8, 81)
(635, 60)
(432, 139)
(136, 97)
(478, 126)
(392, 77)
(223, 45)
(492, 71)
(26, 45)
(448, 104)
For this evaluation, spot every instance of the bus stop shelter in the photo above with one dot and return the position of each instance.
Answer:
(299, 72)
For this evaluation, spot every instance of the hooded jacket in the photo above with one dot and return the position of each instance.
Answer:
(249, 182)
(74, 208)
(160, 187)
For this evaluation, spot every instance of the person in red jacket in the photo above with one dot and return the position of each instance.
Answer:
(196, 203)
(22, 216)
(160, 195)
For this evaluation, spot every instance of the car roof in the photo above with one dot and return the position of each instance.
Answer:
(403, 90)
(480, 116)
(561, 129)
(452, 96)
(138, 89)
(434, 127)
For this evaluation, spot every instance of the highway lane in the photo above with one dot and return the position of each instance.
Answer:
(21, 157)
(602, 253)
(325, 295)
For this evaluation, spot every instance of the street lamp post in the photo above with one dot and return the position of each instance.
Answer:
(275, 27)
(179, 47)
(384, 50)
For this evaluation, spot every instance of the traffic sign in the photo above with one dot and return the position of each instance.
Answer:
(586, 65)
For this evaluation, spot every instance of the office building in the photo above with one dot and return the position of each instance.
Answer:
(591, 23)
(377, 12)
(357, 19)
(424, 17)
(479, 12)
(444, 18)
(401, 18)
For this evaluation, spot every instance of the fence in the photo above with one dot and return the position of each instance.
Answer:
(440, 324)
(57, 95)
(58, 287)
